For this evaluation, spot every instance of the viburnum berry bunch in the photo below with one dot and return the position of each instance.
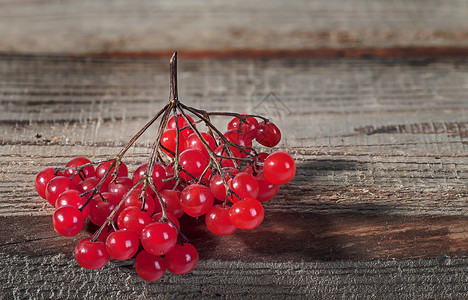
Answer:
(189, 171)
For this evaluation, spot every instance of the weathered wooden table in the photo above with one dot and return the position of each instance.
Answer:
(379, 206)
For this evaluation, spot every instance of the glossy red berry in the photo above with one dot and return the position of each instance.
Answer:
(101, 206)
(246, 214)
(238, 138)
(244, 185)
(159, 175)
(149, 267)
(86, 172)
(194, 162)
(182, 259)
(91, 255)
(194, 142)
(172, 200)
(122, 244)
(133, 199)
(158, 238)
(216, 183)
(132, 218)
(68, 220)
(89, 184)
(226, 162)
(218, 222)
(72, 197)
(120, 186)
(217, 187)
(196, 200)
(105, 233)
(169, 142)
(42, 179)
(248, 128)
(175, 222)
(169, 184)
(104, 166)
(139, 172)
(279, 168)
(58, 185)
(268, 134)
(266, 189)
(262, 156)
(185, 132)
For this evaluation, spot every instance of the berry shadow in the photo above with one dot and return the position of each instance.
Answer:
(309, 220)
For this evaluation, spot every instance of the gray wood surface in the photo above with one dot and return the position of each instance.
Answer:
(378, 208)
(58, 277)
(83, 27)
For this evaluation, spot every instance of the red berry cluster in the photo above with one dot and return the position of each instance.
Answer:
(219, 175)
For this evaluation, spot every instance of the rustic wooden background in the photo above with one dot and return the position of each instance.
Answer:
(372, 100)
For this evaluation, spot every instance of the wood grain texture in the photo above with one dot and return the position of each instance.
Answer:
(282, 237)
(37, 277)
(71, 27)
(369, 136)
(378, 207)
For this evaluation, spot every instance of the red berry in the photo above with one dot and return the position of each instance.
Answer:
(244, 185)
(172, 200)
(132, 218)
(169, 184)
(194, 162)
(246, 214)
(218, 222)
(262, 156)
(105, 233)
(158, 238)
(120, 186)
(226, 162)
(238, 138)
(175, 222)
(89, 184)
(91, 255)
(266, 189)
(104, 166)
(216, 183)
(217, 187)
(268, 134)
(133, 199)
(122, 244)
(149, 267)
(182, 259)
(139, 172)
(248, 128)
(196, 200)
(68, 220)
(42, 179)
(159, 174)
(206, 177)
(169, 141)
(86, 172)
(171, 124)
(101, 208)
(194, 142)
(279, 168)
(252, 169)
(58, 185)
(72, 197)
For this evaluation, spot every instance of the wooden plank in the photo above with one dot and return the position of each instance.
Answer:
(378, 208)
(56, 276)
(281, 237)
(368, 135)
(153, 26)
